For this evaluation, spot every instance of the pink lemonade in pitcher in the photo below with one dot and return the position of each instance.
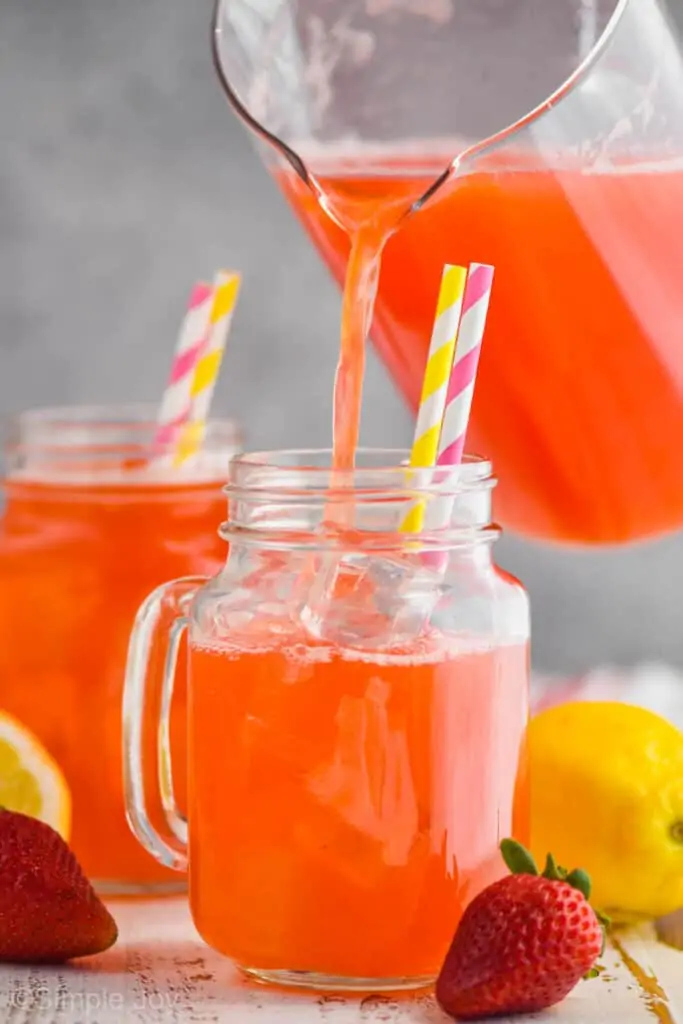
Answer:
(583, 336)
(543, 139)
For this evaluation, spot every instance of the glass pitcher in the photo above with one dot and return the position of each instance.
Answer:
(543, 138)
(346, 799)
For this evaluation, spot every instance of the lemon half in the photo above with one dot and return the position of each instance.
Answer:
(30, 779)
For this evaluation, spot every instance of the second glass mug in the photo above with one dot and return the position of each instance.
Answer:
(95, 514)
(357, 708)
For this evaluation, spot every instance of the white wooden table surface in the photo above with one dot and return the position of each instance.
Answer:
(161, 973)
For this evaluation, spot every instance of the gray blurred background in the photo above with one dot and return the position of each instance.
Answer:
(123, 178)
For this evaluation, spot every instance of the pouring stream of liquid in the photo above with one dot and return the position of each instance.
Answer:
(369, 221)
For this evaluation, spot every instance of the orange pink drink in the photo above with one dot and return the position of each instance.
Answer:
(86, 533)
(578, 401)
(345, 808)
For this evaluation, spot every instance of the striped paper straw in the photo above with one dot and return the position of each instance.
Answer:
(435, 383)
(438, 369)
(464, 371)
(175, 405)
(207, 367)
(460, 391)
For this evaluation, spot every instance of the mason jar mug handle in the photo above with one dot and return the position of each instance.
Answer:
(152, 627)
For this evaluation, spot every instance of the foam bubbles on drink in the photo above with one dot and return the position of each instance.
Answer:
(203, 469)
(431, 650)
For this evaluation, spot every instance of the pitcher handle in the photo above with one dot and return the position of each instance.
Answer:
(171, 598)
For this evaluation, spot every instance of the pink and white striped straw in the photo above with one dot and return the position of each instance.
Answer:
(466, 360)
(461, 385)
(454, 425)
(176, 404)
(226, 288)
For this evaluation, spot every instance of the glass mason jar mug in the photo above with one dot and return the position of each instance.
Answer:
(357, 706)
(95, 515)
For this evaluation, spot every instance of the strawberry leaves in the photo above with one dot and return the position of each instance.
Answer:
(520, 862)
(517, 859)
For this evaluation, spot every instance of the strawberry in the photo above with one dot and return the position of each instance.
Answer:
(523, 943)
(49, 912)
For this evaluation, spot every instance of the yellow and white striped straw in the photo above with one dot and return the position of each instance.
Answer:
(207, 368)
(435, 383)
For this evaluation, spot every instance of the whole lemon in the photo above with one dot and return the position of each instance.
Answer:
(607, 795)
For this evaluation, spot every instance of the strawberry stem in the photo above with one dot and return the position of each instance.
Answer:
(553, 871)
